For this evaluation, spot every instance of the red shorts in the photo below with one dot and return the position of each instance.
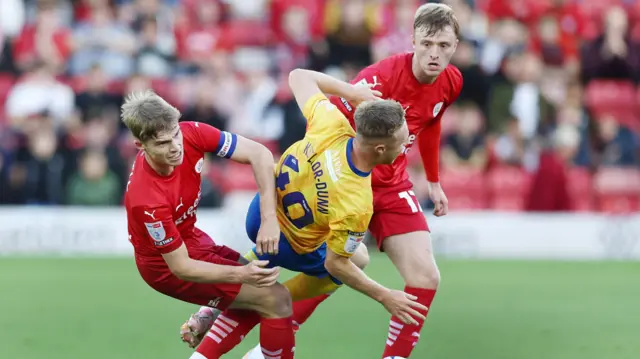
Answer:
(396, 210)
(219, 295)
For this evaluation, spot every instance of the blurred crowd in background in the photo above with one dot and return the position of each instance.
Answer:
(547, 119)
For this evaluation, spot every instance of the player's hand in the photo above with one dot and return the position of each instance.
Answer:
(268, 236)
(255, 273)
(439, 199)
(404, 306)
(364, 92)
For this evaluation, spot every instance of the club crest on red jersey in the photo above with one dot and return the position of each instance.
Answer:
(437, 108)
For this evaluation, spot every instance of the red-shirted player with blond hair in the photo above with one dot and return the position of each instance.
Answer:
(176, 258)
(425, 84)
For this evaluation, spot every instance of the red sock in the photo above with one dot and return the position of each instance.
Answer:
(404, 337)
(227, 331)
(302, 310)
(277, 339)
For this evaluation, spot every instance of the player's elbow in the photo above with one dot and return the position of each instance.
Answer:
(180, 271)
(294, 77)
(335, 265)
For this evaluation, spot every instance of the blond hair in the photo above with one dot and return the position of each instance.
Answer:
(379, 119)
(434, 18)
(146, 114)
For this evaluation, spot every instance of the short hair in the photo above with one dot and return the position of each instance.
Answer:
(379, 119)
(434, 18)
(146, 114)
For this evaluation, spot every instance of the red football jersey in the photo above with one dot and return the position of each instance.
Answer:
(161, 210)
(424, 105)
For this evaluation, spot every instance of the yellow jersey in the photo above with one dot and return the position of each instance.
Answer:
(322, 196)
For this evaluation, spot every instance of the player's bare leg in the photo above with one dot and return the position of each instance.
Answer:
(302, 309)
(412, 254)
(269, 306)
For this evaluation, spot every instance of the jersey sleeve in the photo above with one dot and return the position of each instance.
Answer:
(324, 121)
(159, 227)
(347, 234)
(429, 138)
(207, 138)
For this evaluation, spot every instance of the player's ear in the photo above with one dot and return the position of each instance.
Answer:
(137, 143)
(380, 149)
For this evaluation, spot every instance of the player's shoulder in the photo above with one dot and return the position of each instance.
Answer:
(143, 189)
(453, 78)
(353, 193)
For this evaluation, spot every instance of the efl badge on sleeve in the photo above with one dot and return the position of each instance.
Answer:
(353, 241)
(156, 231)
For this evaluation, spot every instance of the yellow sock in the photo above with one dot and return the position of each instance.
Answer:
(250, 256)
(303, 286)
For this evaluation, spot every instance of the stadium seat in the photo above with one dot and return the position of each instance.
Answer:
(580, 189)
(237, 177)
(465, 188)
(6, 83)
(610, 96)
(617, 190)
(508, 187)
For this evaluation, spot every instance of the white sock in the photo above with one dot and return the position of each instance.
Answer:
(255, 353)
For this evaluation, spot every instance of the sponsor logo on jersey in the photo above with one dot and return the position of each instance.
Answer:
(437, 108)
(353, 241)
(346, 104)
(199, 165)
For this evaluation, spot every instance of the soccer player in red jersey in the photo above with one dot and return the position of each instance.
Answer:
(425, 84)
(176, 258)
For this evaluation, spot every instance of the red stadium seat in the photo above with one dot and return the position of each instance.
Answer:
(618, 190)
(237, 177)
(580, 189)
(508, 188)
(610, 96)
(465, 188)
(6, 83)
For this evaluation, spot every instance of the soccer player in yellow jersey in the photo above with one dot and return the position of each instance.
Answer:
(324, 196)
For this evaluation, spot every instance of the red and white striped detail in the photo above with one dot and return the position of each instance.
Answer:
(221, 328)
(277, 354)
(394, 330)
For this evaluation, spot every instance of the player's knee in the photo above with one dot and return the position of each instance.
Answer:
(425, 275)
(361, 257)
(277, 304)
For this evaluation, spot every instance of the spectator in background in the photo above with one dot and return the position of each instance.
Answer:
(39, 166)
(549, 189)
(466, 147)
(257, 117)
(155, 51)
(617, 145)
(95, 98)
(203, 109)
(350, 25)
(45, 40)
(614, 54)
(94, 184)
(39, 92)
(520, 96)
(399, 32)
(509, 148)
(103, 41)
(476, 84)
(199, 30)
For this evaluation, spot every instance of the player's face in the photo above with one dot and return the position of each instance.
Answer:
(394, 146)
(166, 149)
(434, 51)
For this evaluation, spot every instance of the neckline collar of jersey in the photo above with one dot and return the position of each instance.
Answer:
(350, 160)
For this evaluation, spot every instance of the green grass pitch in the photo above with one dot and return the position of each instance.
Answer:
(100, 309)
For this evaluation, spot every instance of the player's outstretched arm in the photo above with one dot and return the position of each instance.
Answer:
(261, 161)
(306, 83)
(398, 303)
(191, 270)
